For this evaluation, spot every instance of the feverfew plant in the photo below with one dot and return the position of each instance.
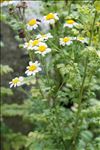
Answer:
(63, 75)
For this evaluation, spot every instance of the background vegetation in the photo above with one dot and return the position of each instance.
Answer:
(60, 106)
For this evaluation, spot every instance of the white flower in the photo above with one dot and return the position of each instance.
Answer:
(28, 45)
(74, 107)
(32, 24)
(82, 39)
(51, 18)
(33, 68)
(65, 41)
(31, 44)
(42, 49)
(70, 23)
(16, 82)
(45, 37)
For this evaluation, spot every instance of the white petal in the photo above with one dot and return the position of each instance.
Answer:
(18, 84)
(48, 50)
(38, 36)
(14, 85)
(21, 78)
(37, 52)
(56, 16)
(30, 63)
(52, 21)
(29, 27)
(33, 73)
(11, 85)
(38, 22)
(36, 63)
(68, 43)
(26, 71)
(10, 82)
(39, 69)
(29, 73)
(35, 26)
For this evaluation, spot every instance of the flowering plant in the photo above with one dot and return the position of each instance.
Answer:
(63, 77)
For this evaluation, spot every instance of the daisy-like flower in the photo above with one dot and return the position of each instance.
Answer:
(65, 41)
(31, 44)
(70, 23)
(42, 49)
(51, 18)
(82, 39)
(43, 37)
(32, 24)
(16, 82)
(28, 45)
(33, 68)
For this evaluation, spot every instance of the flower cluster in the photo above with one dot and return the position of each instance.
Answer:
(32, 69)
(44, 37)
(39, 46)
(38, 43)
(31, 44)
(69, 40)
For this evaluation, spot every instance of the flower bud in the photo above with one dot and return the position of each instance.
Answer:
(21, 33)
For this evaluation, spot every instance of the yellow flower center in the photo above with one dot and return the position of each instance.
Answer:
(42, 48)
(43, 35)
(80, 38)
(70, 21)
(15, 81)
(35, 42)
(66, 39)
(32, 22)
(32, 67)
(50, 16)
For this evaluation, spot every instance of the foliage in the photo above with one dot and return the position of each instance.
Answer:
(11, 139)
(4, 69)
(6, 91)
(62, 103)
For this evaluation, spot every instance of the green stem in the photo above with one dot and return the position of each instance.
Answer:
(66, 2)
(69, 6)
(60, 128)
(79, 108)
(76, 129)
(51, 43)
(24, 91)
(43, 61)
(41, 92)
(31, 55)
(92, 28)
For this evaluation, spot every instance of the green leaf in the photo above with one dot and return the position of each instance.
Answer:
(4, 69)
(6, 91)
(86, 135)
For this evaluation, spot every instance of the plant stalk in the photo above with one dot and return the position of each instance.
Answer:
(76, 129)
